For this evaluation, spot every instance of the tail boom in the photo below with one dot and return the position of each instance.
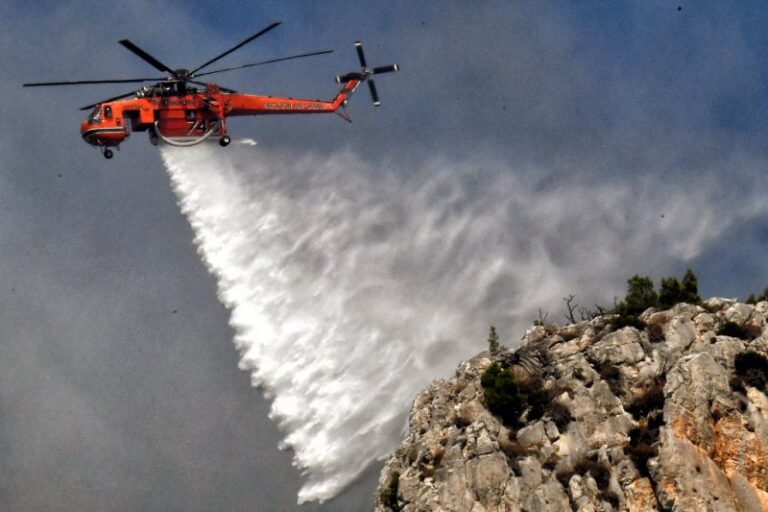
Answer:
(236, 104)
(252, 105)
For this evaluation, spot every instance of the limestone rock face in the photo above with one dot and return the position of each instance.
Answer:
(663, 418)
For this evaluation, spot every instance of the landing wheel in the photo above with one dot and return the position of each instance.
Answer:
(108, 154)
(224, 141)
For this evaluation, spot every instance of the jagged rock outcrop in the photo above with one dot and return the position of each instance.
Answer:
(673, 416)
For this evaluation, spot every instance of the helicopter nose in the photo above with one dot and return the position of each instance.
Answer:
(103, 136)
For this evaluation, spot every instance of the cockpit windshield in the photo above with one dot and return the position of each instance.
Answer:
(95, 116)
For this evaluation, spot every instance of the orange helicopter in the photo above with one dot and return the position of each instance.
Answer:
(180, 115)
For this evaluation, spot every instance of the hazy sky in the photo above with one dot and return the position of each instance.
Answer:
(119, 387)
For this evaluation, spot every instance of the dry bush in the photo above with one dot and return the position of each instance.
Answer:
(734, 330)
(560, 414)
(513, 449)
(752, 369)
(436, 454)
(388, 495)
(612, 376)
(643, 442)
(599, 471)
(651, 398)
(413, 454)
(655, 333)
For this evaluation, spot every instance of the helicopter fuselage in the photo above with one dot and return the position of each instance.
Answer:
(174, 112)
(179, 115)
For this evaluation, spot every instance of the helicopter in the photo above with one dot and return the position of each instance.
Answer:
(176, 113)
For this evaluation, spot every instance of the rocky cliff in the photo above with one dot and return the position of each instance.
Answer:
(668, 415)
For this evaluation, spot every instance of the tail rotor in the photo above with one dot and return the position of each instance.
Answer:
(366, 74)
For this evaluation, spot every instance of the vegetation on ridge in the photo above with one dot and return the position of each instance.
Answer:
(641, 295)
(753, 299)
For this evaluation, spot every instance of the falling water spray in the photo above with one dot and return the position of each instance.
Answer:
(352, 286)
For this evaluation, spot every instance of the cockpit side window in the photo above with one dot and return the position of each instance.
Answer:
(108, 112)
(95, 116)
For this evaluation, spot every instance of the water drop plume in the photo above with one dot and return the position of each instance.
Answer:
(352, 285)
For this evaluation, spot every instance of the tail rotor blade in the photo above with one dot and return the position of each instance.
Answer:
(394, 68)
(360, 54)
(349, 76)
(366, 74)
(374, 93)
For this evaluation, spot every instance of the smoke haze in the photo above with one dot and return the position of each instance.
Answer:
(351, 287)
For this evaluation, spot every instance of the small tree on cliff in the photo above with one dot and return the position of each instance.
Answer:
(640, 296)
(669, 295)
(755, 299)
(493, 341)
(689, 288)
(673, 292)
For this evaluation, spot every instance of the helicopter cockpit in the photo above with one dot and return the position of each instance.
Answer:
(98, 113)
(95, 116)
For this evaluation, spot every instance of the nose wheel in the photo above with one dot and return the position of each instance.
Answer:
(224, 141)
(108, 154)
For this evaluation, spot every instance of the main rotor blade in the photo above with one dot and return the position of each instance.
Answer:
(147, 57)
(237, 46)
(108, 100)
(206, 85)
(81, 82)
(270, 61)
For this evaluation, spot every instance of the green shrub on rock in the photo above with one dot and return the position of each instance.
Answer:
(502, 394)
(508, 399)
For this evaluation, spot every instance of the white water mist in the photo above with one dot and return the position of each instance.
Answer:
(351, 290)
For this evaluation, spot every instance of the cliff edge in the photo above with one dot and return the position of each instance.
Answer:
(670, 414)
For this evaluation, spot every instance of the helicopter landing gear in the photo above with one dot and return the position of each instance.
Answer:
(108, 154)
(224, 141)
